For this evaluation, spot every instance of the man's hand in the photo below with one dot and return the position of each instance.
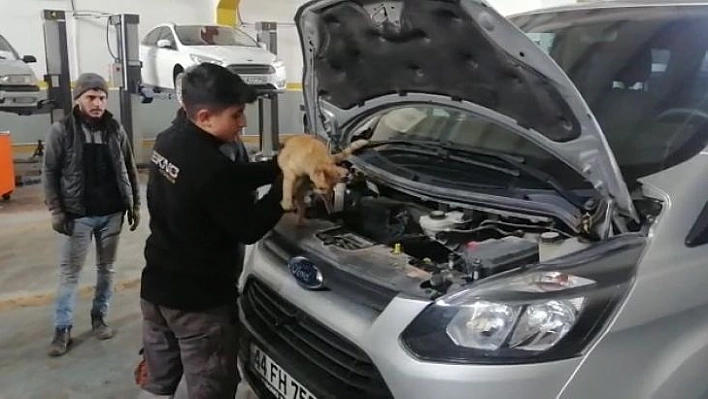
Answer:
(62, 224)
(134, 218)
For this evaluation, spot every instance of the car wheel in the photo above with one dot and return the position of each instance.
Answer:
(178, 72)
(7, 196)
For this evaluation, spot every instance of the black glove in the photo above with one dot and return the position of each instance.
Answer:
(134, 218)
(62, 224)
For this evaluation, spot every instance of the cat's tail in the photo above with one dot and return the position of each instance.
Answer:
(351, 149)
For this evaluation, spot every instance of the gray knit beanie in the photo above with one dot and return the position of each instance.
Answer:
(89, 81)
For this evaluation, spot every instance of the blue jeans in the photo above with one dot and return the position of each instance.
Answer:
(72, 256)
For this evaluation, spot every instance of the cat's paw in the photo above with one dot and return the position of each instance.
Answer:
(286, 205)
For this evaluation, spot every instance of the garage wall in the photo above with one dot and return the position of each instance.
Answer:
(21, 24)
(282, 12)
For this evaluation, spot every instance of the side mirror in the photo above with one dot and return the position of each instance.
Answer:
(164, 43)
(263, 45)
(29, 59)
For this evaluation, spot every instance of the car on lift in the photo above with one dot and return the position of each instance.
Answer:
(169, 49)
(19, 89)
(529, 220)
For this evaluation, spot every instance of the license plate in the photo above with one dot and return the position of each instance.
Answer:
(24, 100)
(277, 380)
(255, 80)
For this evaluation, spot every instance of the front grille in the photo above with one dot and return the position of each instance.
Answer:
(326, 362)
(19, 88)
(345, 283)
(251, 69)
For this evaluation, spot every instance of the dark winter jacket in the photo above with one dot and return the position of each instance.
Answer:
(202, 211)
(63, 171)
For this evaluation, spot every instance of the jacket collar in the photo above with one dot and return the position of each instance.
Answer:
(191, 128)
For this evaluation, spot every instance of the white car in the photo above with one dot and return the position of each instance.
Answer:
(169, 49)
(19, 92)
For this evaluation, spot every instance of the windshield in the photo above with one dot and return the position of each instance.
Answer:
(471, 140)
(6, 50)
(208, 35)
(644, 73)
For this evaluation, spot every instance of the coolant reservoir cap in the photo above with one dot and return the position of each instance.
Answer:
(437, 215)
(550, 237)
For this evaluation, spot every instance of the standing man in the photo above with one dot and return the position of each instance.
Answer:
(90, 182)
(202, 211)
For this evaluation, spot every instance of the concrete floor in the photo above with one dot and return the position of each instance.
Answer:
(92, 369)
(28, 252)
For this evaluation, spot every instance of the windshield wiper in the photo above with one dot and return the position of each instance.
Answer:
(434, 149)
(517, 162)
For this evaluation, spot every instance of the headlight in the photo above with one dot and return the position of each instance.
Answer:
(199, 59)
(549, 312)
(532, 326)
(17, 79)
(278, 63)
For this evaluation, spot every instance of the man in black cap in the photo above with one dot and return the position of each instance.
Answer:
(90, 183)
(202, 211)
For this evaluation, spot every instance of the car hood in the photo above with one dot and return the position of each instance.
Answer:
(15, 67)
(360, 56)
(235, 54)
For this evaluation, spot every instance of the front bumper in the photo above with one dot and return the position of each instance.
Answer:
(338, 348)
(276, 80)
(19, 96)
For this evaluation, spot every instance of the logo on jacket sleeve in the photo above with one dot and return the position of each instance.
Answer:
(306, 273)
(167, 169)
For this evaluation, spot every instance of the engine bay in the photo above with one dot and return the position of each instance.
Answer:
(451, 247)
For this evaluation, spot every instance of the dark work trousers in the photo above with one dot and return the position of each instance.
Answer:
(201, 345)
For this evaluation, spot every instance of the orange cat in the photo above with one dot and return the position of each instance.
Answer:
(306, 157)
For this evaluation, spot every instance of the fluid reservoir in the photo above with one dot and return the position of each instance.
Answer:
(552, 245)
(437, 221)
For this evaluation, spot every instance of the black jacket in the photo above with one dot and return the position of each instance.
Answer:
(201, 208)
(63, 169)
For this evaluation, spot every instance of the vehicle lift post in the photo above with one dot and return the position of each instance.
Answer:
(128, 66)
(59, 98)
(127, 73)
(268, 116)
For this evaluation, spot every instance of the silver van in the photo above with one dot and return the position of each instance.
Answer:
(530, 219)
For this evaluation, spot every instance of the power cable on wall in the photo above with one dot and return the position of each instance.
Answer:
(244, 23)
(108, 39)
(77, 14)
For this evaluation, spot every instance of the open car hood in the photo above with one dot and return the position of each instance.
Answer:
(362, 55)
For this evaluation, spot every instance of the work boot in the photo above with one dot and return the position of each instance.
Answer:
(60, 342)
(100, 329)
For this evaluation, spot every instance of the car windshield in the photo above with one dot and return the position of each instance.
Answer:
(465, 149)
(209, 35)
(7, 52)
(643, 72)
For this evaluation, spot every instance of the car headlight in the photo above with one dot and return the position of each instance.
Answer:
(278, 63)
(200, 59)
(17, 79)
(548, 312)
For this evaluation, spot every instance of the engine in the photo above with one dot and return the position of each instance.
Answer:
(452, 246)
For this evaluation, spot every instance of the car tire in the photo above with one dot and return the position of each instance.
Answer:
(177, 74)
(7, 196)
